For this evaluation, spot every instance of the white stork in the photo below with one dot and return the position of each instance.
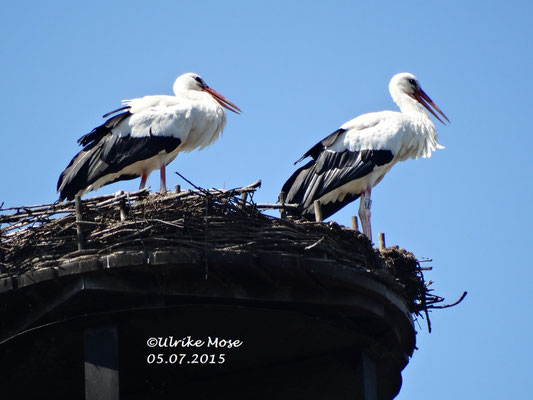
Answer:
(348, 163)
(146, 135)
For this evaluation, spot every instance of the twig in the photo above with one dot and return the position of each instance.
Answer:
(79, 219)
(201, 190)
(355, 223)
(381, 240)
(452, 304)
(318, 211)
(205, 237)
(315, 244)
(284, 206)
(138, 232)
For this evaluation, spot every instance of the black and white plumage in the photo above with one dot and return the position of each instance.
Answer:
(145, 135)
(348, 163)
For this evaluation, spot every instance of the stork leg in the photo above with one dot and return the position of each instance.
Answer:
(163, 175)
(144, 176)
(364, 212)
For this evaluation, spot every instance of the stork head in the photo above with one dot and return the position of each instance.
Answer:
(191, 81)
(406, 84)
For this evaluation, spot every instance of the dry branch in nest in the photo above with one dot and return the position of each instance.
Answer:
(407, 269)
(44, 236)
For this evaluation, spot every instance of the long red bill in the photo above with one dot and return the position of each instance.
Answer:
(424, 99)
(223, 101)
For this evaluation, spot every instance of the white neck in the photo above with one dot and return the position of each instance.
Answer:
(421, 124)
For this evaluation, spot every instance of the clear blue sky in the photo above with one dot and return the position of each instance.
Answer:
(299, 70)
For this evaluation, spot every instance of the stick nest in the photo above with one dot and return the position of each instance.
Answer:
(44, 236)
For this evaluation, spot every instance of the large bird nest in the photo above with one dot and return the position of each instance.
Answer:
(44, 236)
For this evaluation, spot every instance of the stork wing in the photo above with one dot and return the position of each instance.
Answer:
(109, 157)
(99, 132)
(330, 171)
(348, 154)
(111, 147)
(315, 151)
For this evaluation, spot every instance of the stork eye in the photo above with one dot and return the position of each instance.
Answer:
(199, 80)
(411, 81)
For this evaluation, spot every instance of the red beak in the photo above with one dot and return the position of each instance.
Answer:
(223, 101)
(421, 96)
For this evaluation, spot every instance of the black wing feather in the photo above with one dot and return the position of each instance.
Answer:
(116, 153)
(99, 132)
(108, 156)
(315, 151)
(329, 171)
(115, 111)
(332, 207)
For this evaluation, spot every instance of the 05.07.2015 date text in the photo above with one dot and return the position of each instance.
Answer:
(181, 359)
